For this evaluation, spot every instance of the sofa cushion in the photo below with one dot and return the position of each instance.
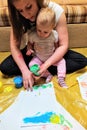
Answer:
(75, 13)
(3, 3)
(71, 2)
(4, 17)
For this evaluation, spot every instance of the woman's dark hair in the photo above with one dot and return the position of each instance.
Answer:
(18, 22)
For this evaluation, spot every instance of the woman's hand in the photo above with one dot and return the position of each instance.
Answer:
(28, 80)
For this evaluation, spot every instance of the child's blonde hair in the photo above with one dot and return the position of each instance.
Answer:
(46, 17)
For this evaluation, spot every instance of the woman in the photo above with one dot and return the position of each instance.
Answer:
(23, 15)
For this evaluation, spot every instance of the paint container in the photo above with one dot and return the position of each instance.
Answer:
(18, 81)
(34, 69)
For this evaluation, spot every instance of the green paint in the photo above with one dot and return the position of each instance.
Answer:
(42, 86)
(46, 85)
(36, 87)
(65, 122)
(49, 85)
(34, 69)
(61, 119)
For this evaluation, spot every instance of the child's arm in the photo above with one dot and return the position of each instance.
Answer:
(29, 48)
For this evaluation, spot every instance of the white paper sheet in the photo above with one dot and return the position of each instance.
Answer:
(38, 110)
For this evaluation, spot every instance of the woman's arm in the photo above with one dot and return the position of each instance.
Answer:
(62, 42)
(17, 56)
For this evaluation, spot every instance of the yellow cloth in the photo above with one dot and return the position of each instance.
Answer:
(70, 98)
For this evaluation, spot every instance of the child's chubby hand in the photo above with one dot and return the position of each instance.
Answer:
(29, 52)
(43, 69)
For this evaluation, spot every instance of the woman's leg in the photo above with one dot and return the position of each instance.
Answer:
(74, 62)
(9, 67)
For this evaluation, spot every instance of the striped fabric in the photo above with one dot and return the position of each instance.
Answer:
(4, 17)
(3, 3)
(71, 2)
(74, 13)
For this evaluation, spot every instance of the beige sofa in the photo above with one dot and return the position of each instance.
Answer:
(76, 14)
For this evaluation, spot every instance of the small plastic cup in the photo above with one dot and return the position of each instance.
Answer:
(34, 69)
(18, 81)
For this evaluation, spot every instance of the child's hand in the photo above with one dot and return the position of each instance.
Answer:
(29, 52)
(42, 69)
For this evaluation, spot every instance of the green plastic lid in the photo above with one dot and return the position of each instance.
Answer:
(34, 69)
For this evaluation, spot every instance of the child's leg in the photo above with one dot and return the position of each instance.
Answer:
(61, 72)
(35, 60)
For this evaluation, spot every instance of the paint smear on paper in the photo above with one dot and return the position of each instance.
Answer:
(48, 117)
(44, 118)
(36, 87)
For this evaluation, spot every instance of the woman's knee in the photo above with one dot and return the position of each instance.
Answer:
(9, 67)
